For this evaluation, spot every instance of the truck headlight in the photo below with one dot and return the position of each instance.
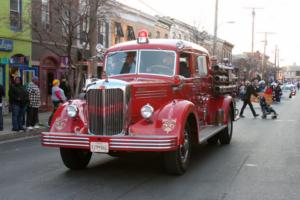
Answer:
(72, 111)
(147, 111)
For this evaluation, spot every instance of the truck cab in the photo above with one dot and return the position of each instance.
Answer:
(156, 95)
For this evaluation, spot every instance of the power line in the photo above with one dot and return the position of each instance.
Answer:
(153, 9)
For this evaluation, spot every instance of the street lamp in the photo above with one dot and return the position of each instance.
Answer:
(216, 35)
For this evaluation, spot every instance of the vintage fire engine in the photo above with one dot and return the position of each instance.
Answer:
(158, 95)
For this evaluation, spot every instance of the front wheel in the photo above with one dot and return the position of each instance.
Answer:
(226, 134)
(75, 158)
(176, 162)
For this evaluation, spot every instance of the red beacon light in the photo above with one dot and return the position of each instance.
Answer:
(142, 37)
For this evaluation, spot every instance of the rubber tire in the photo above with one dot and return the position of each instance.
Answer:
(172, 160)
(75, 159)
(226, 134)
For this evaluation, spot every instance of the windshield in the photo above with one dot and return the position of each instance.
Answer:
(121, 63)
(150, 62)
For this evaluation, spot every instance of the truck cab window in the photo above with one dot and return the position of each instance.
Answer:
(202, 65)
(184, 69)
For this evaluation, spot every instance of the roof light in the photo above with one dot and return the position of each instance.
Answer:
(142, 37)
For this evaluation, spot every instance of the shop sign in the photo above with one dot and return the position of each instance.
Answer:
(6, 45)
(4, 60)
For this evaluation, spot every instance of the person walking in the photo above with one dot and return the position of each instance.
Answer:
(18, 99)
(34, 103)
(1, 105)
(250, 90)
(57, 97)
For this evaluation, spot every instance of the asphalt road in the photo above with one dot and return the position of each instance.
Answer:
(261, 163)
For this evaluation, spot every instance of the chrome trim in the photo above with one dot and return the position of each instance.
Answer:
(53, 140)
(66, 144)
(61, 137)
(137, 140)
(140, 147)
(145, 144)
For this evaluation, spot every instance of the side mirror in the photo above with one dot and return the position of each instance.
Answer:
(177, 82)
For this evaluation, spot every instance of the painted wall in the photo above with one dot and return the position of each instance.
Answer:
(21, 41)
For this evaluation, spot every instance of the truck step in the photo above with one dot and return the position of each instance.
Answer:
(207, 132)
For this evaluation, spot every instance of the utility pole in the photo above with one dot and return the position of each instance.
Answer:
(264, 54)
(275, 61)
(215, 28)
(253, 21)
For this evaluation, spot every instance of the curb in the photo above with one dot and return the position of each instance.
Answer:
(13, 135)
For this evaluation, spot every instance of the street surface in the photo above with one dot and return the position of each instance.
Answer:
(261, 163)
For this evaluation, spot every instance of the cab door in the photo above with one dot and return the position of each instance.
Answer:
(203, 83)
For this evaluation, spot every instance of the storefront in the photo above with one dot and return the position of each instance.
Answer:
(15, 60)
(51, 67)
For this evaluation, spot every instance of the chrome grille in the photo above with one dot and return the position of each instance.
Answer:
(105, 111)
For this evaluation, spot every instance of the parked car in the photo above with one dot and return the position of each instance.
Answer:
(288, 90)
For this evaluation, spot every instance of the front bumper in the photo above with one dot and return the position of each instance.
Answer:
(153, 143)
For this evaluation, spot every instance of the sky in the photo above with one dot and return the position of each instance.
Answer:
(278, 17)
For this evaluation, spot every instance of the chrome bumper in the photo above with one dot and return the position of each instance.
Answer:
(115, 143)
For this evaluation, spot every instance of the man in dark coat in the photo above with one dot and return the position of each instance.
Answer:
(250, 90)
(18, 99)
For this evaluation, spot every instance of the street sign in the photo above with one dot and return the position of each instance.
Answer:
(6, 45)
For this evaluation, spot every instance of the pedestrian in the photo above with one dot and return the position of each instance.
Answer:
(66, 88)
(1, 105)
(57, 97)
(298, 85)
(34, 103)
(18, 99)
(250, 90)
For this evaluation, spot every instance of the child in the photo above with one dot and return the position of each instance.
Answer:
(266, 108)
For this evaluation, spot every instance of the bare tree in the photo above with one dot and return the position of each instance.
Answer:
(57, 25)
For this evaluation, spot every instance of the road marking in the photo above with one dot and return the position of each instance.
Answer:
(285, 120)
(250, 165)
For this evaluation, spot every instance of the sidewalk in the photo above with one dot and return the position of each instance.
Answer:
(7, 133)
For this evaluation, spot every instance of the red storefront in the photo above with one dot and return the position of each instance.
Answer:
(51, 67)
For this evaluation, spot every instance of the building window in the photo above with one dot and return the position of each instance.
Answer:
(101, 31)
(179, 36)
(157, 34)
(130, 33)
(46, 14)
(166, 36)
(174, 35)
(16, 14)
(118, 32)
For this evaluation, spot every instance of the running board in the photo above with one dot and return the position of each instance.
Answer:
(207, 132)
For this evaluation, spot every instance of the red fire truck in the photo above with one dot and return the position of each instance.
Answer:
(158, 95)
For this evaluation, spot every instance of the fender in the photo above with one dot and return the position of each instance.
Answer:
(224, 103)
(170, 119)
(62, 123)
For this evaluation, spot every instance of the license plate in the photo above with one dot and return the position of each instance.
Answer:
(100, 147)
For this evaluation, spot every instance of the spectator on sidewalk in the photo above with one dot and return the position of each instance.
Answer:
(34, 104)
(57, 97)
(18, 99)
(250, 90)
(1, 105)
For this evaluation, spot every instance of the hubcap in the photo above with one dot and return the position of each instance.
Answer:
(184, 148)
